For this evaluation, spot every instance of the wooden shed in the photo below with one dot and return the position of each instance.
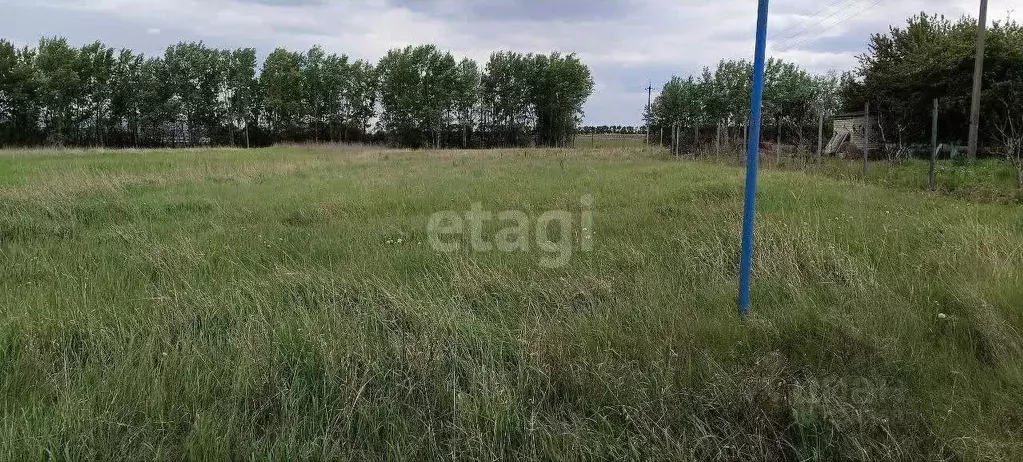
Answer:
(850, 133)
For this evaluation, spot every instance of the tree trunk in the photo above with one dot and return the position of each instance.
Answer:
(99, 132)
(777, 140)
(745, 138)
(696, 139)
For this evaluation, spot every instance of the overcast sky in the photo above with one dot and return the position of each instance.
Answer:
(625, 42)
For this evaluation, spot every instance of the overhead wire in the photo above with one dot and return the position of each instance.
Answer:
(841, 7)
(781, 42)
(795, 26)
(791, 44)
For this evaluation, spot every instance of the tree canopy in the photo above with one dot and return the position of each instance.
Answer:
(793, 100)
(417, 96)
(933, 57)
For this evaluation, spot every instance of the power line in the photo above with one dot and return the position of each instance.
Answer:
(794, 26)
(842, 6)
(782, 41)
(792, 45)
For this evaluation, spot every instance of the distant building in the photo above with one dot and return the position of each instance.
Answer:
(850, 133)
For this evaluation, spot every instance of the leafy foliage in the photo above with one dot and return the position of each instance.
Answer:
(196, 95)
(793, 98)
(933, 57)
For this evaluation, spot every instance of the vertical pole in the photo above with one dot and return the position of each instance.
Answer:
(777, 140)
(752, 156)
(978, 74)
(649, 91)
(866, 137)
(934, 143)
(696, 140)
(675, 138)
(717, 141)
(745, 136)
(820, 137)
(671, 139)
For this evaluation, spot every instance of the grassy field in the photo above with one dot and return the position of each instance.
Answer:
(987, 180)
(284, 303)
(613, 141)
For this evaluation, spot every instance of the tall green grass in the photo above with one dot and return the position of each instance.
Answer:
(257, 304)
(987, 180)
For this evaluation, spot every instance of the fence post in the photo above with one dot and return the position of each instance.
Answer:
(745, 136)
(678, 137)
(717, 141)
(671, 139)
(866, 137)
(777, 140)
(934, 144)
(696, 140)
(820, 138)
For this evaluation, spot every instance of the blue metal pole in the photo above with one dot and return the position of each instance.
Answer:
(752, 156)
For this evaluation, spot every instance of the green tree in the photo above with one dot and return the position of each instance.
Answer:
(314, 91)
(360, 98)
(559, 87)
(416, 94)
(506, 92)
(932, 57)
(60, 88)
(241, 89)
(96, 68)
(194, 94)
(281, 85)
(466, 97)
(159, 107)
(19, 96)
(197, 75)
(125, 96)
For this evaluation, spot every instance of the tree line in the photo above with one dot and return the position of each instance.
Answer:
(417, 96)
(695, 107)
(905, 69)
(900, 75)
(612, 129)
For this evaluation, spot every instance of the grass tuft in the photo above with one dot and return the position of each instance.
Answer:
(285, 303)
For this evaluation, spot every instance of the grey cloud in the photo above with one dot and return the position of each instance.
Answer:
(80, 27)
(286, 2)
(523, 10)
(852, 44)
(635, 78)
